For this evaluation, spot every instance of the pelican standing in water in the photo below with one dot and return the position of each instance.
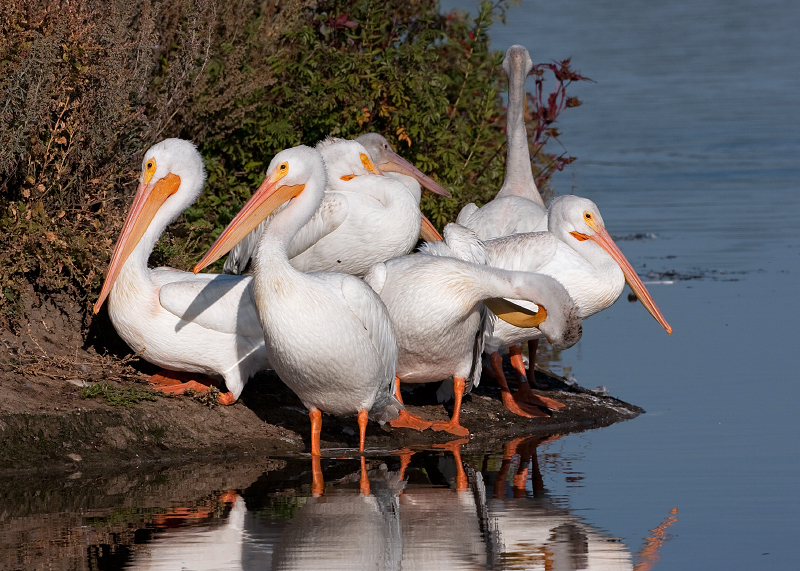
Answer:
(437, 307)
(577, 251)
(177, 320)
(518, 206)
(328, 335)
(365, 217)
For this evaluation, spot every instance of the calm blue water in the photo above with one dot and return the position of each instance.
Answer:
(691, 133)
(690, 136)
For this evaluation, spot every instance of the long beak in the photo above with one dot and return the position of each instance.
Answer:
(604, 240)
(146, 202)
(399, 164)
(428, 232)
(269, 196)
(514, 314)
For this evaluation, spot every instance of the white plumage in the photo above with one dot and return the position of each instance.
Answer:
(364, 217)
(518, 206)
(436, 306)
(328, 335)
(174, 319)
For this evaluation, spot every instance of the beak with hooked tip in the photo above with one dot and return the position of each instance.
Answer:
(399, 165)
(602, 239)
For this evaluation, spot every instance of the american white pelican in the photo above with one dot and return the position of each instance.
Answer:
(176, 320)
(462, 243)
(436, 306)
(518, 206)
(328, 335)
(578, 252)
(365, 217)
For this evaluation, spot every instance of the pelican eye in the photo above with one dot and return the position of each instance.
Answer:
(587, 215)
(149, 171)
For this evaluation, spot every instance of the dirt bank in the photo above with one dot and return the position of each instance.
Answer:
(47, 425)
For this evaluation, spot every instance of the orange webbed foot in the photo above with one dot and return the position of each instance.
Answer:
(408, 420)
(453, 427)
(526, 395)
(521, 409)
(177, 383)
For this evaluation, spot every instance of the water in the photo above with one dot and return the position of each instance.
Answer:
(690, 134)
(689, 137)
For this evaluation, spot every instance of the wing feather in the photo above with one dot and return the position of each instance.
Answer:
(223, 303)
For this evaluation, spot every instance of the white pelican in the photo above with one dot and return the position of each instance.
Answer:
(435, 305)
(578, 252)
(464, 244)
(328, 335)
(176, 320)
(518, 206)
(365, 217)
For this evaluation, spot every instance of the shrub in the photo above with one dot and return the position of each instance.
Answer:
(88, 85)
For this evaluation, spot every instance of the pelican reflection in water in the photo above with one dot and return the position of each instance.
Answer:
(436, 512)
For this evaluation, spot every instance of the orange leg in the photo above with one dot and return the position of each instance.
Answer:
(454, 447)
(363, 417)
(524, 392)
(505, 393)
(363, 483)
(317, 484)
(316, 427)
(515, 356)
(176, 383)
(452, 426)
(406, 419)
(533, 345)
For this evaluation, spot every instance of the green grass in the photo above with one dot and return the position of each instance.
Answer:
(116, 396)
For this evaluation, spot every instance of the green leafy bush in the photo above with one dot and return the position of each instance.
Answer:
(86, 86)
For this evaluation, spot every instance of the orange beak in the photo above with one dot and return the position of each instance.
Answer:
(269, 196)
(146, 202)
(428, 232)
(400, 165)
(602, 238)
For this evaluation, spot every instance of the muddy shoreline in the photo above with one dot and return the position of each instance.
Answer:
(61, 431)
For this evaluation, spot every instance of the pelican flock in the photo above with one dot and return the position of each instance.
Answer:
(337, 305)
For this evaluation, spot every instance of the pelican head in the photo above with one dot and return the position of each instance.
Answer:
(388, 161)
(517, 58)
(346, 159)
(172, 177)
(579, 219)
(289, 174)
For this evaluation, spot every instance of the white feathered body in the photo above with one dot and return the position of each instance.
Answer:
(376, 227)
(174, 319)
(329, 340)
(440, 321)
(436, 311)
(504, 216)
